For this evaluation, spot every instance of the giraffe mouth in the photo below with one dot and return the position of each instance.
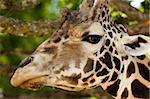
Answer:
(34, 84)
(31, 81)
(31, 84)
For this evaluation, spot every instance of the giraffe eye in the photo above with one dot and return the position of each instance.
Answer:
(94, 39)
(26, 61)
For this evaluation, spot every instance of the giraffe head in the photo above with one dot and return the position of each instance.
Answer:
(83, 53)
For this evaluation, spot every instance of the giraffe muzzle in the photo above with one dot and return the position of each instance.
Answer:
(30, 80)
(34, 84)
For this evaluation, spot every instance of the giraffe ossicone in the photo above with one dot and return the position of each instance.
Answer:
(89, 50)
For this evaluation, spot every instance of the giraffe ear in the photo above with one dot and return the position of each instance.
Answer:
(136, 45)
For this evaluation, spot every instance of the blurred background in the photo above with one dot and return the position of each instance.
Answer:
(14, 48)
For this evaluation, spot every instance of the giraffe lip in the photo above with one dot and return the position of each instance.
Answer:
(27, 79)
(34, 83)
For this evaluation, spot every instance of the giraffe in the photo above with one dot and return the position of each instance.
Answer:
(89, 50)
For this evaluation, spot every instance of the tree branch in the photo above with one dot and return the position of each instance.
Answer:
(131, 12)
(141, 28)
(21, 5)
(17, 27)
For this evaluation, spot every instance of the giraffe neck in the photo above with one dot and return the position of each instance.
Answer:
(127, 82)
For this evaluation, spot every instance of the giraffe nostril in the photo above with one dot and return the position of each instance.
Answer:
(26, 61)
